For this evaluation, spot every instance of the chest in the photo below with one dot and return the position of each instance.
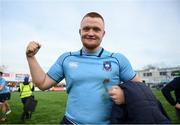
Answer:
(82, 68)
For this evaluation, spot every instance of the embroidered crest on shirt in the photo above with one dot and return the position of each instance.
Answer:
(73, 65)
(107, 66)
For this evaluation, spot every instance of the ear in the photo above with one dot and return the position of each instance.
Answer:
(104, 33)
(79, 31)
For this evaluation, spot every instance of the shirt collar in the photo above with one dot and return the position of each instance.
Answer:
(97, 53)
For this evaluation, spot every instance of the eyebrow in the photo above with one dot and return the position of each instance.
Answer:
(91, 27)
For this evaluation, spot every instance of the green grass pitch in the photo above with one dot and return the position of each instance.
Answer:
(51, 107)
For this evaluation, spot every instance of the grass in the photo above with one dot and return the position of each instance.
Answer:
(51, 107)
(169, 109)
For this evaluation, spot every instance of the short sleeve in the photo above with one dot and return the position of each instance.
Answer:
(125, 69)
(56, 71)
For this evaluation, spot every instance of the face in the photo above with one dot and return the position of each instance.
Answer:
(92, 33)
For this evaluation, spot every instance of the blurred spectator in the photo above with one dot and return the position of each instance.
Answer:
(26, 89)
(4, 97)
(174, 85)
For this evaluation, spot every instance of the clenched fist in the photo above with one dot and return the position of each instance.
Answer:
(32, 48)
(117, 95)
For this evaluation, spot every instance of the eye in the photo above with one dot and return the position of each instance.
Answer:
(86, 29)
(96, 29)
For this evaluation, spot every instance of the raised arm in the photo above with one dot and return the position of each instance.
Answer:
(39, 77)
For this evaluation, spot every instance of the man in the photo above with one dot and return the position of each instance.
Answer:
(4, 97)
(174, 85)
(26, 92)
(89, 74)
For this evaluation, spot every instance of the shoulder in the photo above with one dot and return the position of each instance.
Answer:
(31, 83)
(113, 54)
(64, 55)
(122, 59)
(106, 53)
(2, 81)
(67, 54)
(119, 56)
(177, 79)
(21, 84)
(60, 60)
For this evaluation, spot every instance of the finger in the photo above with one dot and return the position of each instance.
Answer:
(113, 90)
(34, 46)
(114, 98)
(110, 92)
(117, 101)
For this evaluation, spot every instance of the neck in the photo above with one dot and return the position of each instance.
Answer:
(91, 50)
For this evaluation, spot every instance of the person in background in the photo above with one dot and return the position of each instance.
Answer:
(174, 85)
(4, 97)
(89, 74)
(26, 89)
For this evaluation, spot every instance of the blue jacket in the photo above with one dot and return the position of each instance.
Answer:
(141, 106)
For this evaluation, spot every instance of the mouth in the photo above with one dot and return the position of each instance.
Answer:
(90, 38)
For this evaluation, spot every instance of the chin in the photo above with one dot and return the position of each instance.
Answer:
(90, 46)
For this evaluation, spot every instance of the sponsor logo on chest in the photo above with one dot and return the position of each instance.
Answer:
(73, 65)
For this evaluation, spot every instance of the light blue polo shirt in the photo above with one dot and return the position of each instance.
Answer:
(5, 87)
(88, 77)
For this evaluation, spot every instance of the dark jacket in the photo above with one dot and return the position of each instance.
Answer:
(141, 106)
(174, 85)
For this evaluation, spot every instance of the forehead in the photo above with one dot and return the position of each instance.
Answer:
(92, 22)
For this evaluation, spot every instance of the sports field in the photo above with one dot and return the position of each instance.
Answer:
(51, 107)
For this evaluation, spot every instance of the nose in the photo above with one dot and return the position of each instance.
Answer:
(91, 32)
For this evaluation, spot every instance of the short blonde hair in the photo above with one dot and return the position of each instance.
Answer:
(93, 15)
